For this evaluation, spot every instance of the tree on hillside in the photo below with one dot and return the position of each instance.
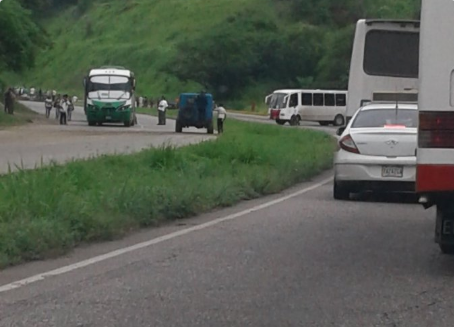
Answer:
(20, 37)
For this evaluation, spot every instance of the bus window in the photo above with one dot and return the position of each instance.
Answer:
(329, 100)
(306, 99)
(293, 100)
(341, 100)
(318, 99)
(392, 53)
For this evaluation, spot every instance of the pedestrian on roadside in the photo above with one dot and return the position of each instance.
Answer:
(9, 98)
(63, 108)
(222, 116)
(48, 105)
(162, 107)
(74, 100)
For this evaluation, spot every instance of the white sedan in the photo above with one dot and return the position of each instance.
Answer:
(377, 151)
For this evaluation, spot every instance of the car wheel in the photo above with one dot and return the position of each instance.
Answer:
(340, 192)
(339, 120)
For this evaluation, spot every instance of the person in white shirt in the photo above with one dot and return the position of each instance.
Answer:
(74, 100)
(162, 107)
(48, 105)
(222, 115)
(63, 108)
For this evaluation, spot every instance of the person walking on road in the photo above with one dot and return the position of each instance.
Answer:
(48, 105)
(162, 107)
(222, 116)
(63, 108)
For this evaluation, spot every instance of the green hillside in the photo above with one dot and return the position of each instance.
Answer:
(238, 49)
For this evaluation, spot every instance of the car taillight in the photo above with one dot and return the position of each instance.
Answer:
(346, 143)
(436, 130)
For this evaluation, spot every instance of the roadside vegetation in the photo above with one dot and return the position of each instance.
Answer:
(239, 50)
(22, 115)
(48, 211)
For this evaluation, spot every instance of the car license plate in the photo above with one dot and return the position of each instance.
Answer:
(392, 171)
(108, 117)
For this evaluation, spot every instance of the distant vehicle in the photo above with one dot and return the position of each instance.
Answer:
(110, 96)
(435, 156)
(190, 114)
(377, 151)
(276, 99)
(384, 63)
(322, 106)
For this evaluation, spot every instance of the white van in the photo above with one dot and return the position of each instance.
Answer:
(322, 106)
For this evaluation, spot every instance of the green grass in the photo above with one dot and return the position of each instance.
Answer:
(51, 210)
(22, 115)
(143, 36)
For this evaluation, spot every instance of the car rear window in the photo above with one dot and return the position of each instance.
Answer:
(386, 117)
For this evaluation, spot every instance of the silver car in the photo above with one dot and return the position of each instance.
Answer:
(377, 151)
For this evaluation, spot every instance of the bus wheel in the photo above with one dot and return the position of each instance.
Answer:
(91, 123)
(294, 121)
(339, 120)
(323, 123)
(280, 122)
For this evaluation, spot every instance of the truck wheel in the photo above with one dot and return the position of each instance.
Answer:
(210, 129)
(178, 128)
(340, 192)
(447, 249)
(339, 120)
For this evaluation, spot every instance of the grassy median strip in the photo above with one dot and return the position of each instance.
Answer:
(22, 115)
(49, 211)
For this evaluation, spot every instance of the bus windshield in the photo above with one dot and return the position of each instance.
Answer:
(109, 87)
(392, 53)
(277, 100)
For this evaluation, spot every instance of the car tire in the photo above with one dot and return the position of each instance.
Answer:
(339, 120)
(340, 192)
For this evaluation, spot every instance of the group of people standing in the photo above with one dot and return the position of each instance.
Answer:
(64, 106)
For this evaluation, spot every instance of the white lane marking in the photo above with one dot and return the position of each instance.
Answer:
(113, 254)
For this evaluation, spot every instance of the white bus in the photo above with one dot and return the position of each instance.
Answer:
(384, 63)
(275, 99)
(322, 106)
(110, 96)
(435, 154)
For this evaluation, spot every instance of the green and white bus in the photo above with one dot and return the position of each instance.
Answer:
(110, 96)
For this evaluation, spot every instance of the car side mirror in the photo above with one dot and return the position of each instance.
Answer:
(340, 131)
